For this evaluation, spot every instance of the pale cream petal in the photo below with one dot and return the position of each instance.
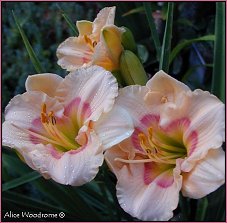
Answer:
(94, 86)
(47, 83)
(75, 167)
(111, 154)
(14, 138)
(108, 50)
(206, 116)
(131, 98)
(114, 127)
(104, 17)
(147, 202)
(169, 87)
(102, 58)
(22, 113)
(84, 27)
(206, 176)
(73, 53)
(111, 38)
(124, 150)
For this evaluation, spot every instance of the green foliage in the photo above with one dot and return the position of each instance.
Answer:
(28, 46)
(154, 33)
(166, 43)
(218, 82)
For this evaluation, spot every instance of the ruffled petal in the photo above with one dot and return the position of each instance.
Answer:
(207, 175)
(22, 114)
(149, 202)
(111, 37)
(169, 87)
(75, 167)
(102, 58)
(84, 27)
(105, 17)
(131, 98)
(73, 53)
(114, 127)
(47, 83)
(94, 86)
(206, 116)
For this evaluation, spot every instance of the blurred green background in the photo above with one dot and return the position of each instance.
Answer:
(45, 26)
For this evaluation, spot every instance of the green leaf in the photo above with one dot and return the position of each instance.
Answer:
(68, 21)
(28, 46)
(216, 205)
(184, 207)
(154, 33)
(11, 160)
(68, 198)
(143, 53)
(22, 200)
(134, 11)
(166, 43)
(20, 180)
(201, 209)
(218, 81)
(186, 43)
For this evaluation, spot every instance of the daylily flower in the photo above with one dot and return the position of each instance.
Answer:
(98, 43)
(176, 145)
(52, 124)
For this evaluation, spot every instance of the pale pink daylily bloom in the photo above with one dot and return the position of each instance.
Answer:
(56, 126)
(98, 43)
(175, 146)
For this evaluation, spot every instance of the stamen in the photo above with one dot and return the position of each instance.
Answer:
(94, 44)
(50, 125)
(43, 118)
(44, 108)
(164, 99)
(157, 151)
(134, 161)
(53, 120)
(51, 116)
(39, 136)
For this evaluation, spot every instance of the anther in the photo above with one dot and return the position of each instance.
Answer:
(43, 118)
(142, 137)
(148, 151)
(94, 43)
(150, 131)
(164, 99)
(44, 108)
(52, 118)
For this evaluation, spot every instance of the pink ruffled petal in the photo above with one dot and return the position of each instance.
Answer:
(75, 167)
(100, 97)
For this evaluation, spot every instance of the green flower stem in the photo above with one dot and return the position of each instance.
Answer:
(218, 81)
(166, 44)
(154, 33)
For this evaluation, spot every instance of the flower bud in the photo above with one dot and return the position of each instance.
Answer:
(131, 69)
(128, 41)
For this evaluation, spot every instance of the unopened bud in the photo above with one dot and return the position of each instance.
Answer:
(128, 41)
(131, 69)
